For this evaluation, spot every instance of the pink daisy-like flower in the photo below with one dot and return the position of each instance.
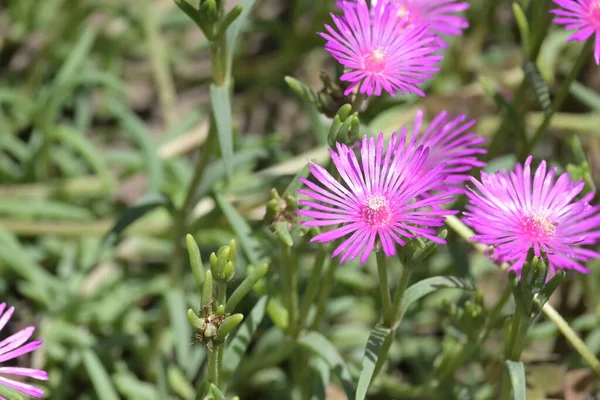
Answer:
(582, 16)
(515, 213)
(379, 198)
(14, 346)
(379, 53)
(437, 14)
(450, 141)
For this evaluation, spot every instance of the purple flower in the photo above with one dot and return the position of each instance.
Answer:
(379, 199)
(514, 214)
(378, 52)
(582, 16)
(437, 14)
(14, 346)
(450, 141)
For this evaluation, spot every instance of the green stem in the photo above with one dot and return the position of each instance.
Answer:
(386, 301)
(182, 214)
(559, 99)
(213, 366)
(221, 292)
(513, 349)
(572, 337)
(289, 286)
(399, 295)
(550, 312)
(326, 287)
(312, 287)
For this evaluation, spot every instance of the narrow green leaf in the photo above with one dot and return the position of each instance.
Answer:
(321, 369)
(235, 28)
(430, 285)
(278, 313)
(215, 171)
(132, 214)
(221, 108)
(99, 377)
(143, 138)
(302, 91)
(218, 395)
(320, 346)
(87, 150)
(379, 343)
(516, 373)
(523, 27)
(248, 241)
(78, 55)
(179, 384)
(182, 331)
(586, 95)
(238, 343)
(533, 75)
(132, 388)
(245, 287)
(38, 209)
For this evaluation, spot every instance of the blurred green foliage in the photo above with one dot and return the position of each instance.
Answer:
(104, 106)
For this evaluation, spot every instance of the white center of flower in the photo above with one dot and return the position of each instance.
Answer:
(375, 211)
(374, 61)
(537, 226)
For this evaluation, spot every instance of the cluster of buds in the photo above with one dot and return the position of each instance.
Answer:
(417, 250)
(469, 317)
(327, 101)
(281, 216)
(212, 328)
(210, 16)
(534, 287)
(222, 264)
(216, 317)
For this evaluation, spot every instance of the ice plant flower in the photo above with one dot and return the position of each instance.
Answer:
(14, 346)
(438, 15)
(377, 202)
(450, 141)
(515, 212)
(582, 16)
(378, 53)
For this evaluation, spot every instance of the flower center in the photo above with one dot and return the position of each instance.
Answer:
(374, 62)
(537, 227)
(375, 211)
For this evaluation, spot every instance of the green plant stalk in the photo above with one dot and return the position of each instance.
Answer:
(572, 337)
(399, 295)
(221, 292)
(312, 287)
(214, 372)
(326, 287)
(180, 223)
(386, 301)
(287, 279)
(559, 99)
(553, 315)
(513, 349)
